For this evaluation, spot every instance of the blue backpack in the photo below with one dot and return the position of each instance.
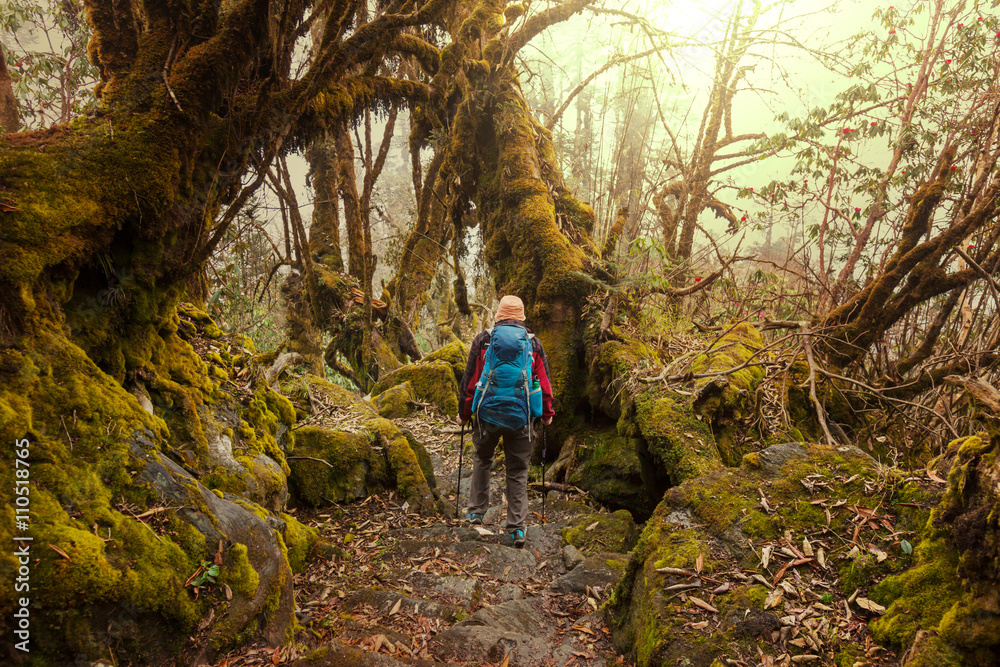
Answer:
(504, 394)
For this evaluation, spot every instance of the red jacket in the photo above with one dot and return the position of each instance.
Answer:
(474, 368)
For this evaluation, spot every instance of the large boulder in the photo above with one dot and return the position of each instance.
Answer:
(944, 610)
(433, 382)
(820, 514)
(607, 465)
(346, 451)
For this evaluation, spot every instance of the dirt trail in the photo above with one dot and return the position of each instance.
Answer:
(418, 590)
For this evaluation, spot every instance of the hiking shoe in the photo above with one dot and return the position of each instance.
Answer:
(475, 518)
(518, 537)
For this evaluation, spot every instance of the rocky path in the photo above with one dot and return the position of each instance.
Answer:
(397, 588)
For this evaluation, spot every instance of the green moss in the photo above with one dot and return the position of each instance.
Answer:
(237, 572)
(612, 533)
(612, 366)
(729, 400)
(395, 402)
(348, 456)
(403, 463)
(299, 540)
(607, 466)
(919, 597)
(455, 354)
(433, 382)
(678, 445)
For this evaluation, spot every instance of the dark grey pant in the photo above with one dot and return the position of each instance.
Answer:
(517, 452)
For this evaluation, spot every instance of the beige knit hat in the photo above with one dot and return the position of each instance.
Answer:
(510, 308)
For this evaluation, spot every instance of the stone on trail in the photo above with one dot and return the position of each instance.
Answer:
(385, 601)
(595, 572)
(571, 556)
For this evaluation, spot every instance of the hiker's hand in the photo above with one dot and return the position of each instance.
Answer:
(462, 422)
(547, 421)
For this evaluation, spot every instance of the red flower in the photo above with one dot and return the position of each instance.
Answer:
(946, 62)
(743, 219)
(697, 280)
(751, 189)
(954, 168)
(961, 25)
(857, 209)
(971, 246)
(892, 32)
(874, 123)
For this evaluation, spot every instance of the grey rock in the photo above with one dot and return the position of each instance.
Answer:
(465, 590)
(229, 523)
(571, 556)
(592, 572)
(510, 592)
(518, 616)
(493, 559)
(385, 601)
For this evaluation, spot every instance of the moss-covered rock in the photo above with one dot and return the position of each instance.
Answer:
(606, 532)
(456, 353)
(728, 400)
(672, 443)
(403, 463)
(944, 610)
(607, 466)
(433, 382)
(714, 519)
(395, 402)
(335, 466)
(613, 363)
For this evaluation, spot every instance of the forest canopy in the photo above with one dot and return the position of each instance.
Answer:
(241, 237)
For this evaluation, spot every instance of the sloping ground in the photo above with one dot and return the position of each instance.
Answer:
(772, 563)
(416, 590)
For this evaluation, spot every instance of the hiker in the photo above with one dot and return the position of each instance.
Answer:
(501, 408)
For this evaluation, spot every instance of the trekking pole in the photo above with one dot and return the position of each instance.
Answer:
(543, 472)
(458, 484)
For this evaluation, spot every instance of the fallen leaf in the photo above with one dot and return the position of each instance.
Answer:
(704, 605)
(218, 554)
(870, 605)
(821, 558)
(593, 526)
(724, 588)
(765, 556)
(207, 620)
(935, 477)
(700, 625)
(395, 607)
(228, 590)
(699, 563)
(60, 552)
(774, 598)
(806, 547)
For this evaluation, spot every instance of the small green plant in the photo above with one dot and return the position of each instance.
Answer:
(206, 573)
(827, 598)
